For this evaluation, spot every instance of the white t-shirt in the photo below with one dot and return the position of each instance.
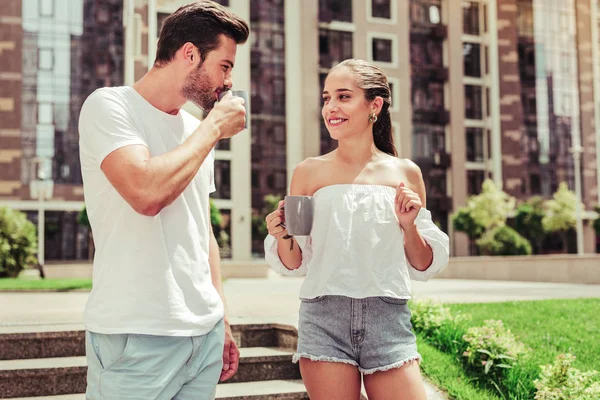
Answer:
(151, 275)
(356, 247)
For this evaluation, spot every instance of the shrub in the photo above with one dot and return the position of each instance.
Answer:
(560, 381)
(463, 221)
(438, 325)
(504, 241)
(492, 347)
(528, 221)
(18, 242)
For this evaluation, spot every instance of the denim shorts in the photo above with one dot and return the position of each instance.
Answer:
(373, 334)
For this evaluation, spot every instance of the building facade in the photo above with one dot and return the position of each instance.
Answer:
(500, 89)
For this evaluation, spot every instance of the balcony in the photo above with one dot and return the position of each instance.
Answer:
(430, 72)
(436, 31)
(440, 160)
(437, 117)
(443, 204)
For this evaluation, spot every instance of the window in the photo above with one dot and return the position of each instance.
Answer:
(472, 59)
(223, 144)
(381, 9)
(160, 19)
(475, 181)
(394, 96)
(428, 140)
(335, 10)
(223, 179)
(102, 14)
(255, 178)
(473, 102)
(46, 8)
(334, 47)
(382, 50)
(426, 12)
(535, 185)
(45, 59)
(474, 138)
(471, 18)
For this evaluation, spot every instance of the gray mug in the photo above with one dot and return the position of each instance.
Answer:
(244, 95)
(299, 211)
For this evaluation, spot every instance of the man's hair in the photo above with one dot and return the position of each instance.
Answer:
(201, 23)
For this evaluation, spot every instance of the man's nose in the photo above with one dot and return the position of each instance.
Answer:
(228, 83)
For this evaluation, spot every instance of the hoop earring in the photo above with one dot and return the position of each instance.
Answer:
(373, 118)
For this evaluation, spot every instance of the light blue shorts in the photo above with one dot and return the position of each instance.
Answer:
(126, 366)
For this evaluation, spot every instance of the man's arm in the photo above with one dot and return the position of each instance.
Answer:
(231, 354)
(149, 183)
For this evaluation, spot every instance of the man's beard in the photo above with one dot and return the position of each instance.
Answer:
(197, 88)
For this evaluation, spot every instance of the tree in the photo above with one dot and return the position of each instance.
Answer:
(528, 222)
(18, 243)
(259, 225)
(463, 221)
(492, 206)
(561, 213)
(83, 220)
(216, 220)
(504, 241)
(483, 212)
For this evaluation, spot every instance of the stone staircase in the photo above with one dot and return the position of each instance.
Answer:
(52, 365)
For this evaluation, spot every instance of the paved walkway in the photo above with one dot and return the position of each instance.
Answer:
(273, 300)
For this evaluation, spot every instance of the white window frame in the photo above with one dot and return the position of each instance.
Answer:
(376, 20)
(395, 94)
(386, 36)
(51, 55)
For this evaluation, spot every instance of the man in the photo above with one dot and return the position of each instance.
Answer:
(155, 324)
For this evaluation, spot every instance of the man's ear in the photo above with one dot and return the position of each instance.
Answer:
(190, 52)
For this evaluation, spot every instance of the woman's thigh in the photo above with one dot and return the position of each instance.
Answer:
(330, 380)
(403, 383)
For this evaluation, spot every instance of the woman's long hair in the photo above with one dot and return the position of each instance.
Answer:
(371, 79)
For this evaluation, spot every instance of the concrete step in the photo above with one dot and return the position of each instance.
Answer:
(14, 346)
(265, 364)
(265, 335)
(44, 376)
(30, 345)
(267, 390)
(67, 375)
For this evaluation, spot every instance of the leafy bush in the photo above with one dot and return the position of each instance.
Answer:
(463, 221)
(18, 242)
(560, 381)
(504, 241)
(528, 221)
(492, 347)
(438, 325)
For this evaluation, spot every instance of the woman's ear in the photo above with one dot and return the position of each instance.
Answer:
(377, 105)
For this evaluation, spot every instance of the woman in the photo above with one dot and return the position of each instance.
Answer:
(371, 234)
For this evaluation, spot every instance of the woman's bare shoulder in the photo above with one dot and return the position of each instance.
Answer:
(409, 169)
(308, 172)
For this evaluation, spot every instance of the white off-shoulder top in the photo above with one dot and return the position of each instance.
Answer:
(356, 246)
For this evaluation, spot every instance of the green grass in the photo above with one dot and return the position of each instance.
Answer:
(33, 285)
(444, 371)
(548, 327)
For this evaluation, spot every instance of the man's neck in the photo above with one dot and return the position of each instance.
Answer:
(157, 86)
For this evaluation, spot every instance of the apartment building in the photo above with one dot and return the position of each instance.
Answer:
(500, 89)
